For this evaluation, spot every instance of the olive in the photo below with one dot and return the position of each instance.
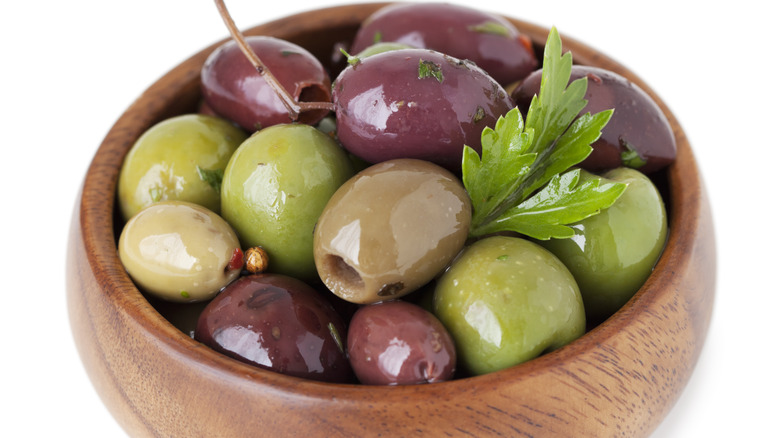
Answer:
(233, 88)
(489, 40)
(277, 323)
(638, 135)
(506, 300)
(275, 187)
(180, 251)
(613, 253)
(399, 343)
(181, 158)
(415, 103)
(390, 229)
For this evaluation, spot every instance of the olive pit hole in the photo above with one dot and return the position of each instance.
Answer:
(346, 276)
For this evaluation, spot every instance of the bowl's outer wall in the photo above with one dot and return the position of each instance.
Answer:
(621, 378)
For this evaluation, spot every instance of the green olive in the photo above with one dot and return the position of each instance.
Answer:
(181, 158)
(506, 300)
(179, 251)
(275, 187)
(390, 229)
(613, 253)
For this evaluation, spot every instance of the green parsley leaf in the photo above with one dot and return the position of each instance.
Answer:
(563, 201)
(211, 177)
(428, 69)
(519, 184)
(490, 180)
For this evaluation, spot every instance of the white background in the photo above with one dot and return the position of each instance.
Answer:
(69, 69)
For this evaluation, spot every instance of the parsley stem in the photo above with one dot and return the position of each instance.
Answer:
(531, 181)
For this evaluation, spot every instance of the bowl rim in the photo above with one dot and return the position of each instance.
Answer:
(98, 227)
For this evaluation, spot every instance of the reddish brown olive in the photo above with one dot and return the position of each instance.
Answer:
(233, 88)
(489, 40)
(399, 343)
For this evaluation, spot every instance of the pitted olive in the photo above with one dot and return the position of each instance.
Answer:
(390, 229)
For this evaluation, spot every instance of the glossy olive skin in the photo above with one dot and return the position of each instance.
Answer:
(164, 162)
(390, 229)
(506, 300)
(386, 110)
(274, 189)
(277, 323)
(614, 252)
(637, 123)
(458, 31)
(179, 251)
(235, 90)
(399, 343)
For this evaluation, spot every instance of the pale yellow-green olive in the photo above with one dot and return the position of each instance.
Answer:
(181, 158)
(390, 229)
(613, 253)
(179, 251)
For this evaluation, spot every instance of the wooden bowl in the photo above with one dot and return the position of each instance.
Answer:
(621, 378)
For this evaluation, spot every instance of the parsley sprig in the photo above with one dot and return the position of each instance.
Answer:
(524, 181)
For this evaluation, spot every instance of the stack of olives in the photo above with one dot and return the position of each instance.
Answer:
(373, 275)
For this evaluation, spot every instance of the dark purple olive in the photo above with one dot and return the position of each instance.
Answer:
(638, 135)
(277, 323)
(399, 343)
(415, 103)
(233, 88)
(490, 41)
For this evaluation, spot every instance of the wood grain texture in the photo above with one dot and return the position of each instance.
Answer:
(620, 379)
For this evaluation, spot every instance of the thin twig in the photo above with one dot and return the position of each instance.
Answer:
(294, 108)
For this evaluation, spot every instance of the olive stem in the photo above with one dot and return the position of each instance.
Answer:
(293, 107)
